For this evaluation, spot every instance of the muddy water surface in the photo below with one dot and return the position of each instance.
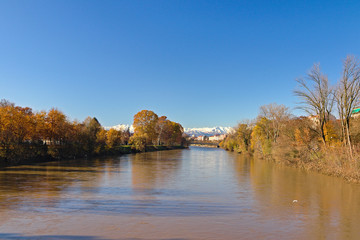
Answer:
(196, 193)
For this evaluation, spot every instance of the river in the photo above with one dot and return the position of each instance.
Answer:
(196, 193)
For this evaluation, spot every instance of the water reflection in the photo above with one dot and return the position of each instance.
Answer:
(193, 194)
(50, 183)
(326, 207)
(154, 170)
(53, 237)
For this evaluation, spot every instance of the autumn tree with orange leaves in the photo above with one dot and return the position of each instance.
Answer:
(30, 136)
(144, 124)
(150, 129)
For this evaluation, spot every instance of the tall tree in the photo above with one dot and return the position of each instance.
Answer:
(176, 133)
(347, 95)
(113, 138)
(243, 137)
(145, 125)
(17, 127)
(91, 127)
(277, 115)
(56, 125)
(125, 135)
(317, 97)
(101, 141)
(261, 136)
(40, 126)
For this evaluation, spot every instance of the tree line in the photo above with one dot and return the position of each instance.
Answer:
(26, 135)
(315, 141)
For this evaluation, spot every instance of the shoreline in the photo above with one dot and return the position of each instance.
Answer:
(122, 150)
(204, 145)
(348, 174)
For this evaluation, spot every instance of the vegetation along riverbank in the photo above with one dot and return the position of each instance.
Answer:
(318, 141)
(27, 136)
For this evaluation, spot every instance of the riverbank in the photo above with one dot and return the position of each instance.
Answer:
(347, 173)
(126, 149)
(204, 145)
(329, 161)
(332, 162)
(296, 141)
(120, 150)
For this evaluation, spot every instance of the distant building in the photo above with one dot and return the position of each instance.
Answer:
(217, 137)
(202, 138)
(315, 118)
(356, 112)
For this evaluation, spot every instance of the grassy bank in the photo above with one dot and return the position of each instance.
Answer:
(331, 161)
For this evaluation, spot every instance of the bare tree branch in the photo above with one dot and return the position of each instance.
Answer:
(347, 95)
(316, 97)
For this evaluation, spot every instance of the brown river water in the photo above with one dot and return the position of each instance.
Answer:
(196, 193)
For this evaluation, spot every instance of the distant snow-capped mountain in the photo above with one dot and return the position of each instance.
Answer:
(122, 127)
(208, 131)
(205, 131)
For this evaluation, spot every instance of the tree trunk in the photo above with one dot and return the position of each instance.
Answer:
(348, 138)
(322, 130)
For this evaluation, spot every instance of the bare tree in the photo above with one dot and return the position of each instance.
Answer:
(277, 114)
(347, 96)
(317, 97)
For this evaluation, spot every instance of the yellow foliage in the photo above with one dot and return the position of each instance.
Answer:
(330, 134)
(260, 137)
(144, 124)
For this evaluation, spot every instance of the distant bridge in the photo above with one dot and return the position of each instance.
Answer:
(205, 144)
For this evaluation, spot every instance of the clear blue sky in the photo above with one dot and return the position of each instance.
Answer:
(201, 63)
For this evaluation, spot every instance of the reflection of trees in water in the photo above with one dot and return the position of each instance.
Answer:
(326, 207)
(20, 184)
(55, 185)
(241, 165)
(48, 182)
(154, 169)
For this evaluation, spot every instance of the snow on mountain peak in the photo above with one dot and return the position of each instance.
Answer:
(204, 131)
(208, 131)
(122, 127)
